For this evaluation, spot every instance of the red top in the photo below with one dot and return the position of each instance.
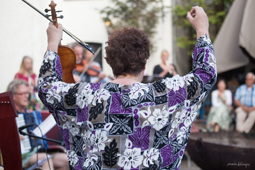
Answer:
(20, 76)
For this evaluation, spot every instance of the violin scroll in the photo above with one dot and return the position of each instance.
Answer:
(85, 45)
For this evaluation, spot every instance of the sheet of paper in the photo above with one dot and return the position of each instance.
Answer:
(45, 126)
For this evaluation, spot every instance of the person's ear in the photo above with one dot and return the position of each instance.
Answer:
(14, 98)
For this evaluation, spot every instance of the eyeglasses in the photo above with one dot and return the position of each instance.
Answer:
(22, 94)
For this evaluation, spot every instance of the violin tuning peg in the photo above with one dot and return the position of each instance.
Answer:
(47, 16)
(59, 11)
(47, 10)
(61, 17)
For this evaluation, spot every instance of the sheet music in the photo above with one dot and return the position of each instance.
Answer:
(45, 126)
(25, 143)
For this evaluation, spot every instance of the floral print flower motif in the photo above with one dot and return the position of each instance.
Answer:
(131, 158)
(186, 104)
(72, 158)
(45, 67)
(90, 125)
(39, 81)
(61, 87)
(150, 155)
(84, 146)
(145, 123)
(137, 89)
(178, 119)
(90, 159)
(182, 135)
(189, 118)
(98, 140)
(174, 83)
(195, 108)
(101, 95)
(108, 126)
(128, 144)
(50, 55)
(188, 78)
(172, 109)
(202, 96)
(51, 96)
(146, 113)
(159, 118)
(62, 115)
(74, 130)
(86, 138)
(171, 132)
(85, 97)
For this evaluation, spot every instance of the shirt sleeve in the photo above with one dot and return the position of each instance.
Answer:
(16, 76)
(238, 93)
(53, 92)
(253, 98)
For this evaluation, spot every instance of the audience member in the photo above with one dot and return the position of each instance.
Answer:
(219, 116)
(20, 92)
(245, 101)
(26, 73)
(163, 69)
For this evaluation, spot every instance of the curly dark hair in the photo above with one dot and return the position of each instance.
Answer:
(127, 51)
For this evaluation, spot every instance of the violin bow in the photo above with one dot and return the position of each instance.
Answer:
(85, 45)
(90, 62)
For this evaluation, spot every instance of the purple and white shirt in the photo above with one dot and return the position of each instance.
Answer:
(139, 126)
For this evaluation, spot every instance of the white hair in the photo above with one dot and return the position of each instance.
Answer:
(250, 74)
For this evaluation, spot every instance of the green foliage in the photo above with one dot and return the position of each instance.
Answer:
(142, 14)
(216, 11)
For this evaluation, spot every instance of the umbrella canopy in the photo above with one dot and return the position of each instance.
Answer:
(247, 33)
(226, 45)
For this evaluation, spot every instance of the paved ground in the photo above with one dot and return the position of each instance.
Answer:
(186, 165)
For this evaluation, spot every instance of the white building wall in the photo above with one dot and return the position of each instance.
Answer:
(23, 32)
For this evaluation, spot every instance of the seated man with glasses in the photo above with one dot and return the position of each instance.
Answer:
(245, 101)
(20, 92)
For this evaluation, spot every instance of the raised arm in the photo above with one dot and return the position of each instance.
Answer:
(199, 21)
(191, 89)
(203, 76)
(54, 37)
(53, 92)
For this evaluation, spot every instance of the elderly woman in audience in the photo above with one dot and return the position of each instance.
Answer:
(219, 115)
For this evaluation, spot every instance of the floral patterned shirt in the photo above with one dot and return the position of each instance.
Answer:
(139, 126)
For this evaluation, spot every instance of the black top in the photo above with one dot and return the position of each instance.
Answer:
(157, 70)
